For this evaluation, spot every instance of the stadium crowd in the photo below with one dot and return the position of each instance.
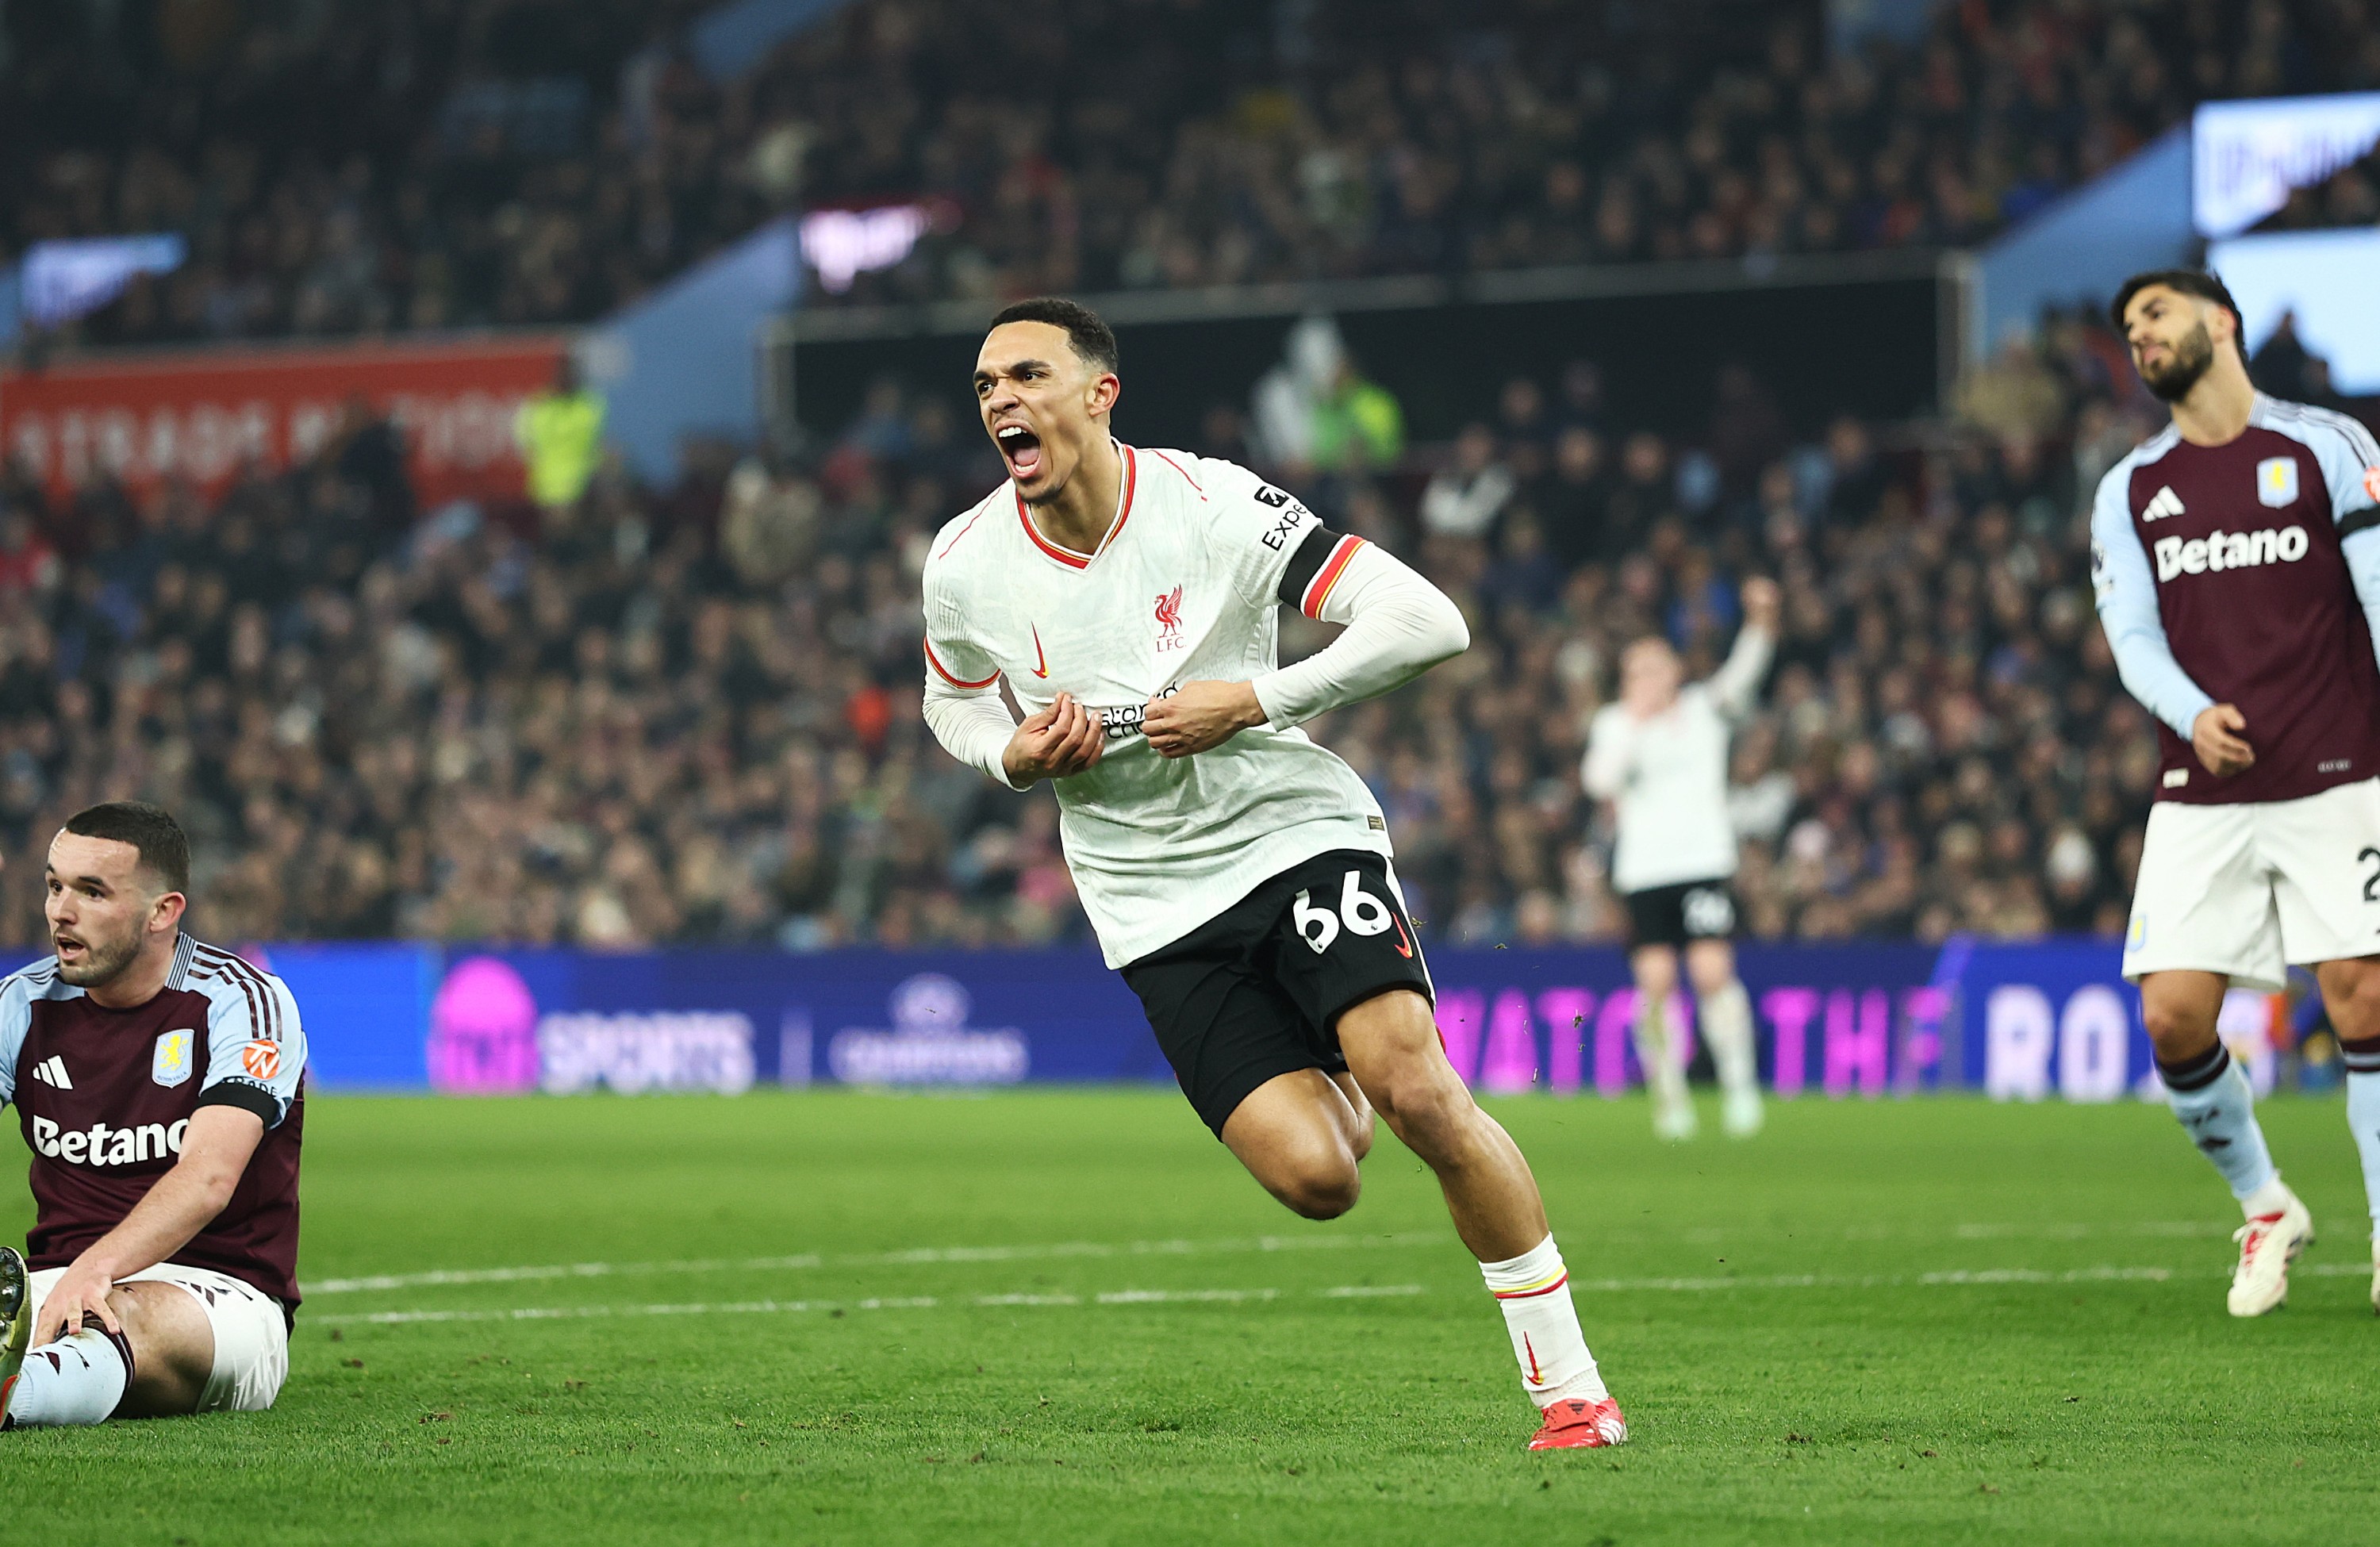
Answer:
(343, 167)
(693, 714)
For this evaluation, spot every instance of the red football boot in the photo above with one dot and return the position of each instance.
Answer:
(1574, 1425)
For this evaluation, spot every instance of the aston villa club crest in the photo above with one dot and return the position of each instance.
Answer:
(1168, 621)
(170, 1064)
(2277, 481)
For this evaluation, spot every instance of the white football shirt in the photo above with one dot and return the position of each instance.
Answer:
(1667, 776)
(1181, 589)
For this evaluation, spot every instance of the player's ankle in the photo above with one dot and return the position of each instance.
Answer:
(2271, 1198)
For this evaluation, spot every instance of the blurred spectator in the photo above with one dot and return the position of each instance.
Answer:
(767, 523)
(1287, 401)
(1569, 501)
(2284, 367)
(1317, 413)
(2014, 395)
(1465, 496)
(1357, 425)
(370, 459)
(561, 437)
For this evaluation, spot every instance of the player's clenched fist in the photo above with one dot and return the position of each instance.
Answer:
(1064, 739)
(1201, 716)
(1762, 604)
(2211, 737)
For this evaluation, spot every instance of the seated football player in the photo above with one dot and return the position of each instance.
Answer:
(156, 1080)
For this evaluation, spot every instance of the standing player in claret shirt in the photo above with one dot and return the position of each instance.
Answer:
(2236, 556)
(157, 1082)
(1237, 872)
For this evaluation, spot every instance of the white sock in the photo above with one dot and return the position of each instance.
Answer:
(1727, 1025)
(2364, 1121)
(1532, 1291)
(2211, 1097)
(77, 1380)
(1662, 1075)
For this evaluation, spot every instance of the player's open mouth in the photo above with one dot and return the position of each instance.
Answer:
(65, 946)
(1021, 448)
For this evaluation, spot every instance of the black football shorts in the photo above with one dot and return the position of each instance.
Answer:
(1258, 990)
(1674, 915)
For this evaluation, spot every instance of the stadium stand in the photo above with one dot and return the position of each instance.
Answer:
(435, 163)
(692, 714)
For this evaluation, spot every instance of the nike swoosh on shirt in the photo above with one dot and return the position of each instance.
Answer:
(1041, 662)
(1405, 941)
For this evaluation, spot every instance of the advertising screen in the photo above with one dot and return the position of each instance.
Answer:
(1856, 1021)
(203, 415)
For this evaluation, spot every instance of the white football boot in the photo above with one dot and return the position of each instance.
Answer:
(1673, 1115)
(2376, 1275)
(1740, 1112)
(2268, 1244)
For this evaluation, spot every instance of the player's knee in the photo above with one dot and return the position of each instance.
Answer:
(1710, 973)
(1320, 1188)
(1424, 1110)
(172, 1347)
(2176, 1030)
(2354, 1004)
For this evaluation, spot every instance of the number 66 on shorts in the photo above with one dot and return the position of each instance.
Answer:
(1258, 990)
(1364, 913)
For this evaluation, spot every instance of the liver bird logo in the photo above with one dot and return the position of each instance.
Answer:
(1169, 620)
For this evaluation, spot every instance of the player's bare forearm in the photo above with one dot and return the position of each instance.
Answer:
(1200, 717)
(216, 1151)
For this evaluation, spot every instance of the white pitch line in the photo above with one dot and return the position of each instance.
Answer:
(1953, 1278)
(912, 1257)
(2075, 1231)
(926, 1256)
(559, 1270)
(911, 1302)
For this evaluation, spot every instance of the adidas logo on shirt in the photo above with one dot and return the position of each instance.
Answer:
(53, 1071)
(2167, 502)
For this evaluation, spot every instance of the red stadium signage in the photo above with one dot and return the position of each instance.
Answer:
(203, 415)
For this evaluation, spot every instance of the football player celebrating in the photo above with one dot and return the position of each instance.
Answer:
(2238, 573)
(156, 1080)
(1238, 873)
(1659, 756)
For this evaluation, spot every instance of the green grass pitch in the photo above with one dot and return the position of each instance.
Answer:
(1067, 1317)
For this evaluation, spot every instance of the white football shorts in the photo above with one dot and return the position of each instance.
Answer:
(2252, 889)
(251, 1333)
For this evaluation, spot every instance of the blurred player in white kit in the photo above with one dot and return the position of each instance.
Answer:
(1659, 756)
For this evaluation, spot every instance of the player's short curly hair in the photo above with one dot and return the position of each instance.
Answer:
(163, 847)
(2187, 282)
(1093, 340)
